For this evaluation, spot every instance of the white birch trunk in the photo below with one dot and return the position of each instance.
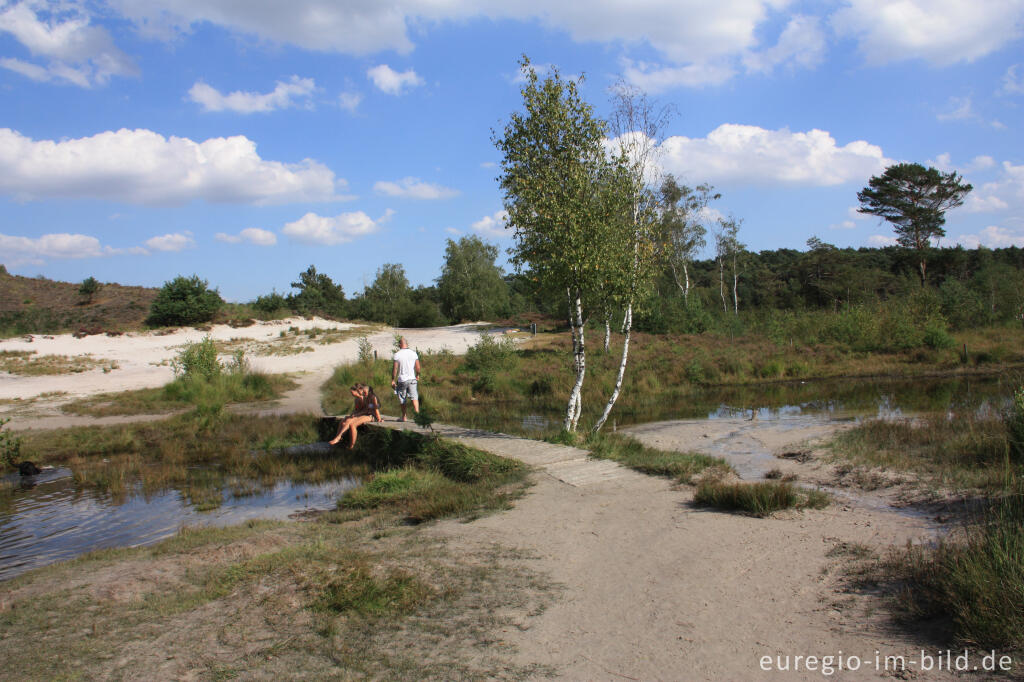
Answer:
(622, 372)
(735, 281)
(686, 277)
(573, 409)
(721, 285)
(607, 331)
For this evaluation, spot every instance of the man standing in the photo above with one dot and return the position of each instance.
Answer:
(405, 374)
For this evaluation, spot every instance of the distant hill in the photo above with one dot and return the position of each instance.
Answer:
(35, 305)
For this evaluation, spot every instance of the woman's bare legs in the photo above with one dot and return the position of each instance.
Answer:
(356, 422)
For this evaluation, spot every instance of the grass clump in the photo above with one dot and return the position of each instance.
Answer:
(759, 499)
(423, 478)
(681, 466)
(975, 583)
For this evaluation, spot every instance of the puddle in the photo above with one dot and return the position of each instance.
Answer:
(48, 518)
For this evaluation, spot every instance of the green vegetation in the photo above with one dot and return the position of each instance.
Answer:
(89, 288)
(496, 387)
(184, 301)
(424, 478)
(975, 584)
(471, 286)
(760, 498)
(683, 467)
(972, 582)
(10, 448)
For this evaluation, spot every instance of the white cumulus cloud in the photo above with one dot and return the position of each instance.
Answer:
(749, 154)
(880, 240)
(993, 236)
(252, 235)
(21, 250)
(144, 167)
(282, 96)
(494, 225)
(655, 78)
(332, 230)
(939, 31)
(1013, 80)
(414, 188)
(74, 51)
(802, 43)
(392, 82)
(171, 242)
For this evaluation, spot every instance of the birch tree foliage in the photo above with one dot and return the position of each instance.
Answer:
(682, 232)
(563, 200)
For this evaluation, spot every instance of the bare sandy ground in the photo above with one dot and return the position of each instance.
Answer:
(658, 589)
(143, 361)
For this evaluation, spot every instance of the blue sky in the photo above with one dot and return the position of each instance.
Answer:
(244, 141)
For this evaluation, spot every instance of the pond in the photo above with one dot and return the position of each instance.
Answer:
(49, 518)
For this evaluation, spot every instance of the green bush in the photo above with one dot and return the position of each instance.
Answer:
(197, 360)
(184, 301)
(10, 446)
(270, 303)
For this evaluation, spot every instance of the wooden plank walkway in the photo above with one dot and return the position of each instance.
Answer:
(569, 465)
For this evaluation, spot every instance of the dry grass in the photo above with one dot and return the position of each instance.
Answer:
(28, 363)
(308, 600)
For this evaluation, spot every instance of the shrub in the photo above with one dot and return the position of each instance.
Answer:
(270, 303)
(10, 446)
(184, 301)
(89, 288)
(197, 360)
(365, 350)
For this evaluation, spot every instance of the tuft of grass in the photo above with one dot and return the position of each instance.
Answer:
(975, 583)
(681, 466)
(358, 590)
(759, 499)
(425, 478)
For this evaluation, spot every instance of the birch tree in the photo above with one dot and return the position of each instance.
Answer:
(682, 213)
(554, 174)
(728, 251)
(637, 127)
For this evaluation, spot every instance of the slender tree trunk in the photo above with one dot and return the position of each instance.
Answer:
(607, 331)
(622, 371)
(573, 409)
(721, 285)
(686, 276)
(735, 281)
(675, 278)
(924, 277)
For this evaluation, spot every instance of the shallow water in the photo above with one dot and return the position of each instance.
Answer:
(49, 518)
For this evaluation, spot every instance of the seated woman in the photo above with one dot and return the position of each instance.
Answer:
(365, 409)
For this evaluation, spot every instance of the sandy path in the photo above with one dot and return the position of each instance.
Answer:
(657, 589)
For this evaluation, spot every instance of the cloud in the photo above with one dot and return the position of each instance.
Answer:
(653, 78)
(24, 250)
(958, 109)
(1013, 81)
(802, 43)
(282, 97)
(749, 154)
(74, 51)
(1004, 193)
(993, 236)
(143, 167)
(941, 32)
(330, 231)
(253, 235)
(414, 188)
(392, 82)
(880, 240)
(349, 101)
(172, 242)
(494, 225)
(680, 31)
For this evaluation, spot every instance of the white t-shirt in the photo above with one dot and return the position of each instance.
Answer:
(406, 359)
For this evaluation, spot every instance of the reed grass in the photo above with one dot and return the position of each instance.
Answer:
(759, 499)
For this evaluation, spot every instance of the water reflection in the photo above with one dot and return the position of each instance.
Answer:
(48, 518)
